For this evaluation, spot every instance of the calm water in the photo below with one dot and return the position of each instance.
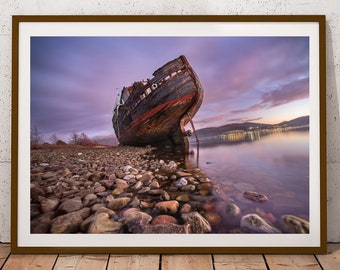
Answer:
(276, 165)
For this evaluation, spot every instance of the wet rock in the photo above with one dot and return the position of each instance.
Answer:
(208, 207)
(166, 229)
(69, 223)
(182, 182)
(183, 198)
(121, 184)
(117, 191)
(96, 207)
(127, 168)
(35, 209)
(88, 198)
(108, 183)
(103, 224)
(205, 186)
(118, 203)
(253, 223)
(99, 189)
(267, 216)
(155, 192)
(42, 223)
(293, 224)
(254, 196)
(135, 202)
(143, 190)
(146, 205)
(86, 222)
(204, 192)
(129, 211)
(120, 175)
(146, 178)
(165, 196)
(213, 218)
(109, 198)
(204, 180)
(154, 184)
(48, 175)
(128, 177)
(172, 165)
(49, 205)
(233, 210)
(105, 210)
(138, 185)
(186, 208)
(163, 219)
(36, 192)
(70, 205)
(168, 206)
(136, 222)
(189, 188)
(197, 223)
(183, 174)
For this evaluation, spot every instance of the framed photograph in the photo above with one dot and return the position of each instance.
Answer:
(169, 134)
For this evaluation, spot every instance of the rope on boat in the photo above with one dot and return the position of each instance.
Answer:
(193, 128)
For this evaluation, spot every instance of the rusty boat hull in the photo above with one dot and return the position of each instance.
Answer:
(154, 112)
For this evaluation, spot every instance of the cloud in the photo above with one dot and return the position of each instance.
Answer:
(74, 80)
(292, 91)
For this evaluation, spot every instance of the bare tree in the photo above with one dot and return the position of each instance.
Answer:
(36, 136)
(74, 138)
(84, 140)
(54, 138)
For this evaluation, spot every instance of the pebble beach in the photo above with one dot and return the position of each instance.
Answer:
(125, 189)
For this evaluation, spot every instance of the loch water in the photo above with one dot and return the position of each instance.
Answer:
(276, 165)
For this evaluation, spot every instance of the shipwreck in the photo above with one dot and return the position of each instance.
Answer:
(155, 111)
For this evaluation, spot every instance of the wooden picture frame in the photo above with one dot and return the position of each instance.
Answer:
(309, 27)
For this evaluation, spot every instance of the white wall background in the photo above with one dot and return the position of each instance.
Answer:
(330, 8)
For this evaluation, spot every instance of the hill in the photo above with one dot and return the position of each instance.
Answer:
(215, 131)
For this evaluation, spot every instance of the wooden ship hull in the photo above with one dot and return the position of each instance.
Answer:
(154, 112)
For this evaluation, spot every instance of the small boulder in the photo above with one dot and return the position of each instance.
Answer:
(163, 219)
(49, 205)
(168, 206)
(70, 205)
(103, 224)
(69, 223)
(254, 196)
(293, 224)
(197, 223)
(118, 203)
(253, 223)
(136, 221)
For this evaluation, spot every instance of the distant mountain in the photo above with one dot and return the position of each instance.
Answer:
(215, 131)
(300, 121)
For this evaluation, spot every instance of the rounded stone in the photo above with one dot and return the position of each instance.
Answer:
(163, 219)
(49, 205)
(183, 198)
(118, 203)
(168, 206)
(255, 224)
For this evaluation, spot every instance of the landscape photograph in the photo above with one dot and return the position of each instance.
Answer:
(170, 135)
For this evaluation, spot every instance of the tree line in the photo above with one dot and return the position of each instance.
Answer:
(37, 138)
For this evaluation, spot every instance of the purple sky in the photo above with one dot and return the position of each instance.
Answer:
(75, 80)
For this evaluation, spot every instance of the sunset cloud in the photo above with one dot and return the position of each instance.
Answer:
(75, 80)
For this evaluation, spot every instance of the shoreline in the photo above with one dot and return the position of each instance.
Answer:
(122, 189)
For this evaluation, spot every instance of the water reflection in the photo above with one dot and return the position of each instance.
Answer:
(275, 164)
